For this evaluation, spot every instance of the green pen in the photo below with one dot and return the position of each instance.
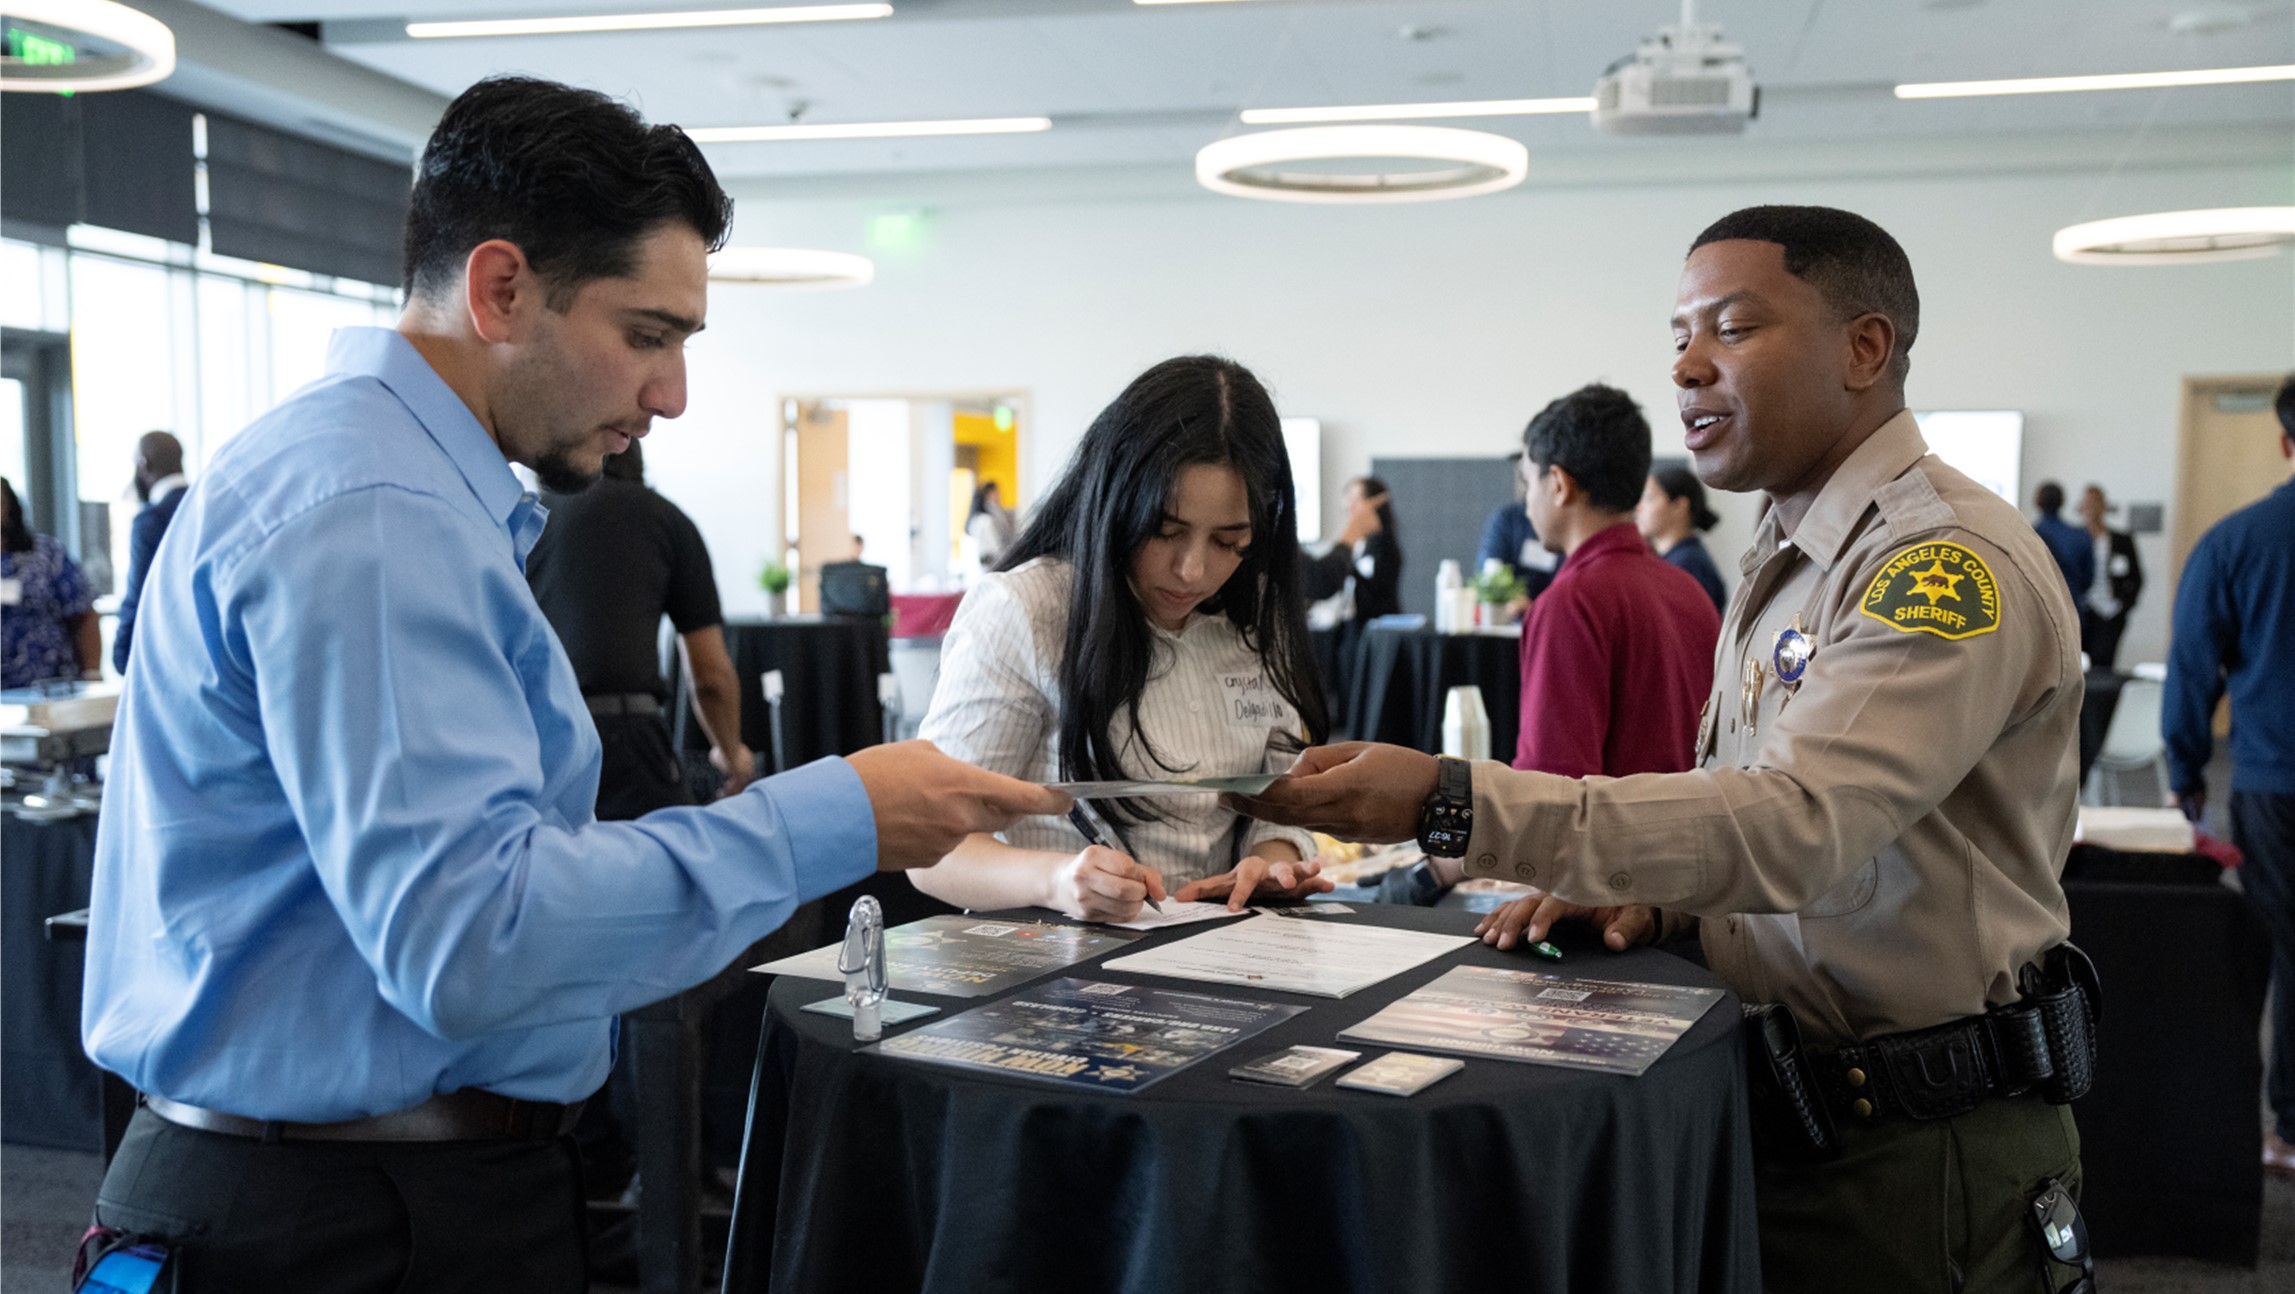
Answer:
(1546, 950)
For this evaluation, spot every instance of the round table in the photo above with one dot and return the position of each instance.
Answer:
(865, 1172)
(1402, 677)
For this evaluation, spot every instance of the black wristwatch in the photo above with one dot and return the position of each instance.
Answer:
(1447, 818)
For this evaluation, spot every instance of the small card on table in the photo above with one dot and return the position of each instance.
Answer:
(1295, 1066)
(1402, 1073)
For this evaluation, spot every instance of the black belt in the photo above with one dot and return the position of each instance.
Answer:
(606, 705)
(467, 1115)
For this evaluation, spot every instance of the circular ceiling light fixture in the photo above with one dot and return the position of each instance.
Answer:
(1362, 164)
(2178, 237)
(792, 267)
(74, 46)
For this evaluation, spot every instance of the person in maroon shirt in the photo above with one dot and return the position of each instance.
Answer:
(1617, 653)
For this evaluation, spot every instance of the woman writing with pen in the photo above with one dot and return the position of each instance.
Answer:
(1147, 625)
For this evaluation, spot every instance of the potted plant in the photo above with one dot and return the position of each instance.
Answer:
(774, 579)
(1497, 590)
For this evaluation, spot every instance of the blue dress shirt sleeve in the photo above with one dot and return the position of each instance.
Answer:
(388, 660)
(2201, 634)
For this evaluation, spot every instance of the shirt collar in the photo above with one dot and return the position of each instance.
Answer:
(389, 358)
(167, 485)
(1620, 538)
(1825, 528)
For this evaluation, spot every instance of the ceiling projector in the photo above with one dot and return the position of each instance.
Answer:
(1686, 80)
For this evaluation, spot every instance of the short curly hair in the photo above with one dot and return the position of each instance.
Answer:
(1598, 435)
(1852, 262)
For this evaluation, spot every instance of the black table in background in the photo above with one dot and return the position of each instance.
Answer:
(1401, 677)
(863, 1172)
(2096, 707)
(2171, 1140)
(49, 1093)
(829, 668)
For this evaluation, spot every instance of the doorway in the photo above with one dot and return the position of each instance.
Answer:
(2228, 454)
(890, 480)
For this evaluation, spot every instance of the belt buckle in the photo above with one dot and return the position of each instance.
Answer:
(1936, 1077)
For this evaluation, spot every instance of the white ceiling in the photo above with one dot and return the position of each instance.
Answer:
(1133, 85)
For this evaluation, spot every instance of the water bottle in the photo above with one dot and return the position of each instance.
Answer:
(1465, 724)
(1447, 582)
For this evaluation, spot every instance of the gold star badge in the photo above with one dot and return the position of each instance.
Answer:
(1936, 583)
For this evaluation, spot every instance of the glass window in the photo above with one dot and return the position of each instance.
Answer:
(20, 297)
(123, 357)
(228, 383)
(14, 453)
(302, 323)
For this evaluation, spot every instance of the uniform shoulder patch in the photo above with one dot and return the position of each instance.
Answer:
(1941, 589)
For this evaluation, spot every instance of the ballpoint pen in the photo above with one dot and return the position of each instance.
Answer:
(1097, 831)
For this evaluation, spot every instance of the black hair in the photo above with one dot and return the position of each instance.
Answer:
(15, 532)
(2284, 404)
(2049, 498)
(1598, 435)
(1110, 500)
(572, 177)
(1852, 262)
(980, 498)
(1677, 481)
(628, 465)
(1373, 487)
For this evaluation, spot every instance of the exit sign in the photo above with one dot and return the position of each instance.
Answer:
(34, 50)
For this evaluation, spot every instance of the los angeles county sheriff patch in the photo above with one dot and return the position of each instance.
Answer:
(1942, 589)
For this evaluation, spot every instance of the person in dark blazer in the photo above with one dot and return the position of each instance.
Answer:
(2111, 594)
(1369, 568)
(160, 483)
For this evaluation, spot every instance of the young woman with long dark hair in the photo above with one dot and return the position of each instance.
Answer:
(1148, 624)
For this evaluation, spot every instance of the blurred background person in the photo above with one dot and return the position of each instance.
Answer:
(160, 483)
(2234, 631)
(2067, 543)
(48, 626)
(1148, 624)
(990, 525)
(1671, 515)
(2116, 577)
(1509, 537)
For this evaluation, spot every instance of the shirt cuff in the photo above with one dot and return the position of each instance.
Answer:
(832, 829)
(1262, 832)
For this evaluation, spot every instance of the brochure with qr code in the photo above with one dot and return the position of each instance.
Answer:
(1295, 1066)
(965, 956)
(1086, 1033)
(1613, 1026)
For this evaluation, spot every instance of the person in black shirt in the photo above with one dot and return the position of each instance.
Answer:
(1670, 516)
(612, 561)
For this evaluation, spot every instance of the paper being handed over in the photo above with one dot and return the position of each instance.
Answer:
(1247, 784)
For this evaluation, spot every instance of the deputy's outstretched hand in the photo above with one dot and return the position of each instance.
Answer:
(1527, 919)
(1354, 791)
(925, 803)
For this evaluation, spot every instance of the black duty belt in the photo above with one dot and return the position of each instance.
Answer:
(467, 1115)
(606, 705)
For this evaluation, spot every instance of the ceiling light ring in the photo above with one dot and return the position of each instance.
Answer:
(2178, 237)
(792, 268)
(149, 44)
(1251, 166)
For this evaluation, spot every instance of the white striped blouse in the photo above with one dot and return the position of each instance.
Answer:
(1208, 708)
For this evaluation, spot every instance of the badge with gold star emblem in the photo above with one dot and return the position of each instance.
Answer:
(1941, 589)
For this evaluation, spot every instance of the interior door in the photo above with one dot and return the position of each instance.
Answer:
(824, 495)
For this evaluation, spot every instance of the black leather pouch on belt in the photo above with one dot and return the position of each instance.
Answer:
(1790, 1120)
(2068, 999)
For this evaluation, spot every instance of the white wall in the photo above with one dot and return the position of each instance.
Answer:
(1438, 329)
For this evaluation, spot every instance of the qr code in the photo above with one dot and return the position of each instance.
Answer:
(1566, 994)
(992, 932)
(1103, 990)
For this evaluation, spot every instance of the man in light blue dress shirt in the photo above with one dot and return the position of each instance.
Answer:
(355, 932)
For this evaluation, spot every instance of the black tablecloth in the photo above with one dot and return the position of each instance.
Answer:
(2170, 1138)
(48, 1089)
(2096, 706)
(829, 668)
(1403, 675)
(862, 1172)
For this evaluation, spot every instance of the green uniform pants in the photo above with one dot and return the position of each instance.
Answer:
(1942, 1206)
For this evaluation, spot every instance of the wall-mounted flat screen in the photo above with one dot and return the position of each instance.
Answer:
(1988, 444)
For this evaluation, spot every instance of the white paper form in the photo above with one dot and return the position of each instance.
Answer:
(1316, 958)
(1176, 914)
(1244, 784)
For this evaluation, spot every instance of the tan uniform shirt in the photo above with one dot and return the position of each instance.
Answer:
(1878, 846)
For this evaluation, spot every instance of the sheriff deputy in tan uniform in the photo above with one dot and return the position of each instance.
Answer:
(1885, 778)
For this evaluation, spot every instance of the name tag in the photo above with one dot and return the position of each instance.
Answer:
(11, 593)
(1251, 701)
(2119, 564)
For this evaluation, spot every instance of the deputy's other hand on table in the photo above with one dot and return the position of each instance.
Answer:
(1103, 884)
(1266, 878)
(1527, 919)
(926, 803)
(1355, 790)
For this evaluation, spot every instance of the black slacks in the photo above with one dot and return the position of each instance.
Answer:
(487, 1217)
(638, 772)
(2263, 826)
